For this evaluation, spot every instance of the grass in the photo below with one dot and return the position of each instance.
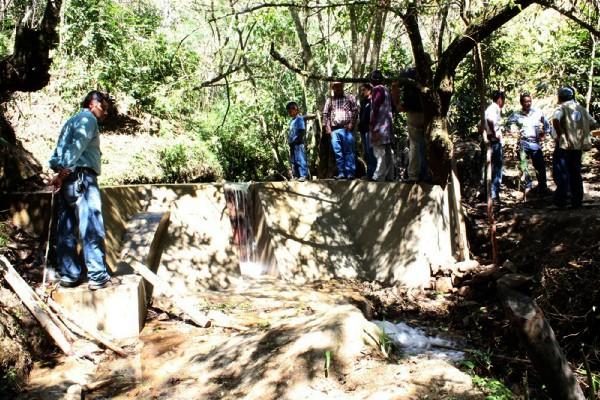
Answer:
(4, 235)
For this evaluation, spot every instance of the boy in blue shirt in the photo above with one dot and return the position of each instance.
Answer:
(296, 142)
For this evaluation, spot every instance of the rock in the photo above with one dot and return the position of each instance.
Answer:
(465, 291)
(466, 266)
(509, 265)
(74, 392)
(435, 269)
(163, 317)
(514, 280)
(443, 284)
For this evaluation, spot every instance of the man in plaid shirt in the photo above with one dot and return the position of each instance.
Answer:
(339, 114)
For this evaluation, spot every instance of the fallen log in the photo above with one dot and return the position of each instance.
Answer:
(541, 344)
(94, 334)
(202, 320)
(35, 305)
(167, 291)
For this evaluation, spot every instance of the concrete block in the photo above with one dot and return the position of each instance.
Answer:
(118, 311)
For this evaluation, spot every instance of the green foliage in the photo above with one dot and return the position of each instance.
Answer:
(173, 161)
(537, 53)
(493, 388)
(10, 382)
(188, 163)
(122, 50)
(327, 362)
(4, 238)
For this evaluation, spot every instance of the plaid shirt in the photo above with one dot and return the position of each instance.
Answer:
(340, 111)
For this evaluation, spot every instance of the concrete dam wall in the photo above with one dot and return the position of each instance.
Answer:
(302, 231)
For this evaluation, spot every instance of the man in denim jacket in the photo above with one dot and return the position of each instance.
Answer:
(76, 160)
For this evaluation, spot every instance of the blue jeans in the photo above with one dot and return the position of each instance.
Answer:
(537, 159)
(298, 160)
(566, 169)
(497, 160)
(80, 208)
(368, 154)
(342, 141)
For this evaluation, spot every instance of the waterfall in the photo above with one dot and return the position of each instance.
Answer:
(239, 209)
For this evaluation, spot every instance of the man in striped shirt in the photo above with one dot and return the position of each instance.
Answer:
(339, 114)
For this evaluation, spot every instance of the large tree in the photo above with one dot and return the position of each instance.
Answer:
(441, 34)
(25, 70)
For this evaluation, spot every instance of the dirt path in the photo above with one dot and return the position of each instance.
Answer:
(293, 331)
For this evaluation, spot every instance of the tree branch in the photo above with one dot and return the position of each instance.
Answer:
(569, 14)
(323, 78)
(219, 77)
(461, 46)
(289, 5)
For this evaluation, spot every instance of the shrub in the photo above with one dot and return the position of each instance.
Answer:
(190, 162)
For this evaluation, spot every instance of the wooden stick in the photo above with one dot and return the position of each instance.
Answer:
(90, 387)
(199, 318)
(98, 336)
(178, 299)
(33, 304)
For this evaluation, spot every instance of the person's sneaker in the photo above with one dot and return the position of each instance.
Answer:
(339, 177)
(68, 284)
(302, 179)
(108, 283)
(350, 178)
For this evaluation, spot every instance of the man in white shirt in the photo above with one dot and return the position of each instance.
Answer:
(493, 134)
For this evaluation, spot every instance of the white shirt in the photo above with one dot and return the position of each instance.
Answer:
(493, 113)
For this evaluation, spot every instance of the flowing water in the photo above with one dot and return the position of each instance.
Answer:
(239, 209)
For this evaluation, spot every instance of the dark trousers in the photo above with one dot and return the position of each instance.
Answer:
(537, 159)
(368, 154)
(497, 162)
(326, 167)
(566, 168)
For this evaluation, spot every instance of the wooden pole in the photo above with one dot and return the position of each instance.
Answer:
(94, 334)
(35, 305)
(179, 300)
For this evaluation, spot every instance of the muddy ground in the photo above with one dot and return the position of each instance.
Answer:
(558, 249)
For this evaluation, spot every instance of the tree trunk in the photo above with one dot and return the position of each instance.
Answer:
(380, 17)
(25, 70)
(542, 347)
(588, 95)
(439, 149)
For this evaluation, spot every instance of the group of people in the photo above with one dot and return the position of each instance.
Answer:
(374, 118)
(76, 158)
(570, 129)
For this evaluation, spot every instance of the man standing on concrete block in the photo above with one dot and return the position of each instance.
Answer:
(339, 114)
(411, 104)
(76, 160)
(296, 137)
(380, 128)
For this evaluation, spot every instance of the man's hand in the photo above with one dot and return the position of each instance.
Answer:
(349, 127)
(57, 180)
(327, 129)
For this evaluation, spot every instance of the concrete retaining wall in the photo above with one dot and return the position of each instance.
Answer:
(304, 231)
(391, 232)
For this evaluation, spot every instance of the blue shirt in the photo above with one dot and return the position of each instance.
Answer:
(530, 127)
(78, 144)
(297, 125)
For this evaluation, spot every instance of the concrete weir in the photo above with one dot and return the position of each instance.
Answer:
(302, 231)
